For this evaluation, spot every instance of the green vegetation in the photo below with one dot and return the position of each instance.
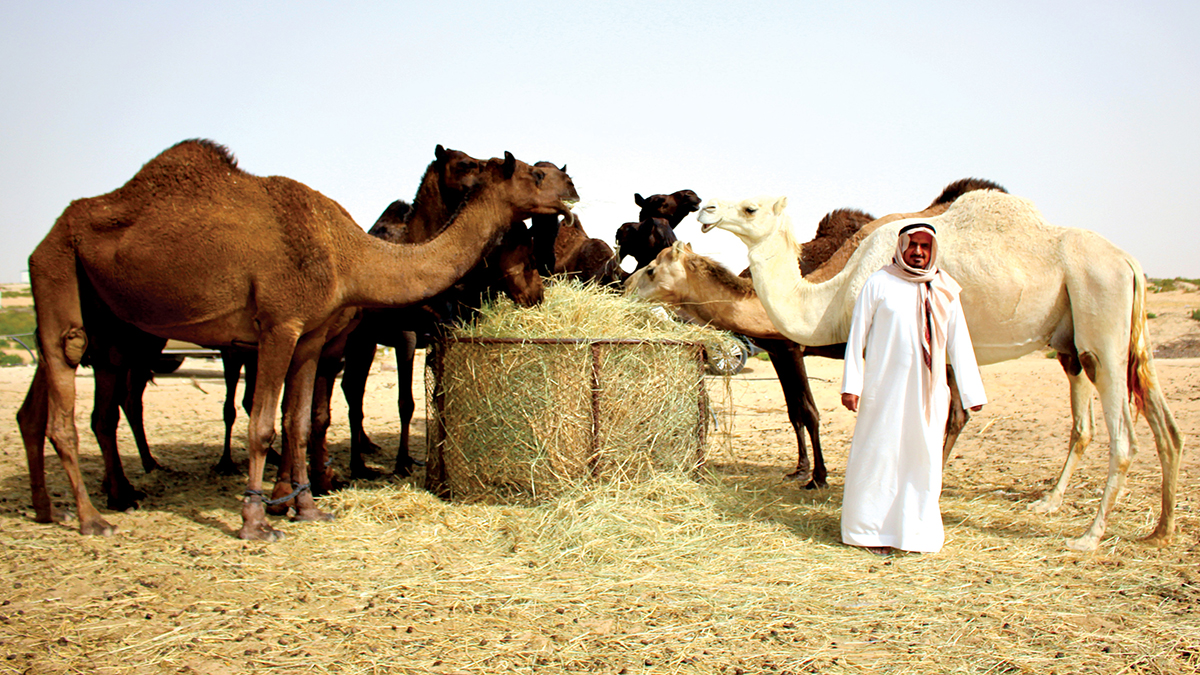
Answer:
(1167, 285)
(17, 321)
(7, 360)
(1195, 314)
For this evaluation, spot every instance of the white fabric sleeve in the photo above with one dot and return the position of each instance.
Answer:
(856, 342)
(961, 355)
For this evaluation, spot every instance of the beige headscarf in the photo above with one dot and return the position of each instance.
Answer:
(938, 291)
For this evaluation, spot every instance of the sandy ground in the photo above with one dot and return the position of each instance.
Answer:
(1012, 449)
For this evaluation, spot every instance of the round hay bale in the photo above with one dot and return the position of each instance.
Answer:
(525, 403)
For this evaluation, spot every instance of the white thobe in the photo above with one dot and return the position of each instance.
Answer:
(894, 472)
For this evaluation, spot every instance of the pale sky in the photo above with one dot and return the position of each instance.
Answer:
(1090, 109)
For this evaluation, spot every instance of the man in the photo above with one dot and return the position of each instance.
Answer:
(907, 324)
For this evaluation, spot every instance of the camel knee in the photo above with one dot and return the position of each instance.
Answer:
(261, 437)
(1089, 363)
(74, 344)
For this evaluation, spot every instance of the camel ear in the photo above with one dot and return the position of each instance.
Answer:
(637, 199)
(510, 165)
(687, 247)
(564, 168)
(439, 152)
(779, 205)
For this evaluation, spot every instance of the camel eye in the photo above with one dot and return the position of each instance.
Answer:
(650, 271)
(751, 210)
(538, 176)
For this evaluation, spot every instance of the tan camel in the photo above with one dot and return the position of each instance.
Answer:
(1026, 284)
(193, 248)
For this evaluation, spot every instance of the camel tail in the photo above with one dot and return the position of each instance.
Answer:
(1140, 375)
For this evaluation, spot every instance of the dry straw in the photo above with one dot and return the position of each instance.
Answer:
(526, 403)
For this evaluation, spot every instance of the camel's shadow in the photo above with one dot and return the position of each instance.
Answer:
(187, 483)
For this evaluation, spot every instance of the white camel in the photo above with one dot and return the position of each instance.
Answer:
(1026, 284)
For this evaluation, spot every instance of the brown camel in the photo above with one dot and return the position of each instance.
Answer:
(644, 240)
(510, 267)
(578, 256)
(718, 298)
(193, 248)
(673, 207)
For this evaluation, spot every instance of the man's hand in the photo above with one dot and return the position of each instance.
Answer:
(850, 401)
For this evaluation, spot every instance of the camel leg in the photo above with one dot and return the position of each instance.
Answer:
(956, 420)
(32, 418)
(49, 408)
(274, 361)
(137, 378)
(1082, 425)
(1168, 440)
(298, 403)
(231, 369)
(360, 353)
(324, 479)
(406, 354)
(111, 389)
(1110, 381)
(788, 359)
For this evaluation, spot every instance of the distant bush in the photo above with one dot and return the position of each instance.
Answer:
(7, 360)
(17, 321)
(1196, 314)
(1168, 285)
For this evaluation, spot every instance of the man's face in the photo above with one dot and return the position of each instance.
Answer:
(920, 247)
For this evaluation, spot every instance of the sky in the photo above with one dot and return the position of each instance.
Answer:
(1089, 109)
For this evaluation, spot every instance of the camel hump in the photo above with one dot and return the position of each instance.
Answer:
(962, 186)
(842, 223)
(198, 152)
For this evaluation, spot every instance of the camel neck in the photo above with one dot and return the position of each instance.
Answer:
(393, 275)
(807, 313)
(430, 212)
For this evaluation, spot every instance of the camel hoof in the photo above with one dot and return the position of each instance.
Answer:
(128, 498)
(312, 515)
(97, 527)
(150, 466)
(1085, 543)
(1158, 540)
(324, 482)
(1044, 505)
(405, 466)
(365, 473)
(259, 532)
(223, 468)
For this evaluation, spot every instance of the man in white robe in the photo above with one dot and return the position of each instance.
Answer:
(907, 324)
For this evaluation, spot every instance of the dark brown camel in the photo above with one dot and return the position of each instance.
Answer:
(578, 256)
(644, 240)
(818, 258)
(510, 268)
(673, 207)
(193, 248)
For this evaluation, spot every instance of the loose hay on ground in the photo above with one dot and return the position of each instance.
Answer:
(737, 572)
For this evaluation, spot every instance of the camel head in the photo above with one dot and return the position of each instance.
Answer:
(673, 207)
(543, 189)
(457, 172)
(664, 279)
(752, 220)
